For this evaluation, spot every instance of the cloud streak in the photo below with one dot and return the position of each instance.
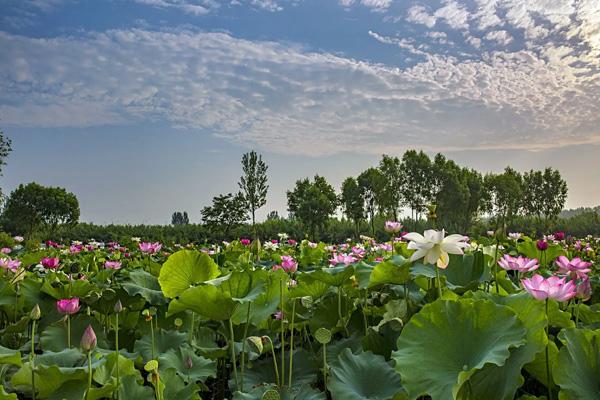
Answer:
(285, 99)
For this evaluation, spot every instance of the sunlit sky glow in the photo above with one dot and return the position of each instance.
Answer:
(144, 107)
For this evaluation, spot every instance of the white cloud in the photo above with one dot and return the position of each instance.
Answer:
(285, 99)
(455, 14)
(501, 37)
(420, 15)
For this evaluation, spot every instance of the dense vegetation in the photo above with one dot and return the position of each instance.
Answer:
(500, 317)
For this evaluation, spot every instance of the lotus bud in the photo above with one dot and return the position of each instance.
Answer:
(118, 307)
(88, 340)
(178, 323)
(36, 313)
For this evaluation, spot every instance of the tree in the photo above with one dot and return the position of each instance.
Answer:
(312, 203)
(32, 206)
(544, 194)
(353, 202)
(5, 149)
(418, 186)
(179, 218)
(503, 195)
(226, 212)
(391, 197)
(273, 216)
(254, 184)
(371, 183)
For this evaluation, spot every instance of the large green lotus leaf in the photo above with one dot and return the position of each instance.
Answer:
(131, 389)
(305, 370)
(55, 337)
(537, 368)
(77, 288)
(7, 396)
(465, 272)
(335, 348)
(444, 344)
(529, 249)
(55, 372)
(175, 388)
(8, 356)
(389, 273)
(501, 382)
(244, 286)
(365, 376)
(334, 276)
(146, 285)
(326, 314)
(202, 368)
(558, 318)
(589, 315)
(578, 367)
(164, 341)
(362, 273)
(184, 269)
(107, 372)
(265, 304)
(304, 392)
(307, 285)
(206, 300)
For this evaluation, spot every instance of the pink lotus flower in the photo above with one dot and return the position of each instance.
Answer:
(88, 340)
(342, 258)
(289, 264)
(520, 264)
(542, 245)
(112, 264)
(359, 252)
(18, 239)
(584, 288)
(50, 262)
(515, 235)
(6, 250)
(150, 248)
(68, 306)
(292, 242)
(559, 235)
(575, 268)
(9, 264)
(278, 315)
(312, 245)
(553, 288)
(245, 242)
(392, 226)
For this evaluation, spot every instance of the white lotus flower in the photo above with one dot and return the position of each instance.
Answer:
(434, 247)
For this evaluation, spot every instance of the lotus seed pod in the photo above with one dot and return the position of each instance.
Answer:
(271, 394)
(256, 344)
(323, 335)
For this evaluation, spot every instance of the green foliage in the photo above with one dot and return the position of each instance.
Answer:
(226, 212)
(184, 269)
(312, 203)
(253, 183)
(32, 206)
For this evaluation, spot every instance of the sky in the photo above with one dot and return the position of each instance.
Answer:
(144, 107)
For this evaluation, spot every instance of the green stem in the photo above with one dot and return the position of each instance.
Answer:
(153, 341)
(439, 282)
(32, 359)
(292, 343)
(577, 313)
(243, 362)
(547, 354)
(325, 365)
(364, 315)
(340, 311)
(89, 357)
(192, 326)
(282, 330)
(233, 358)
(117, 353)
(274, 362)
(68, 331)
(496, 264)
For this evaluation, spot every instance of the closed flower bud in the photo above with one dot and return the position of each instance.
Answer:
(36, 313)
(118, 307)
(88, 340)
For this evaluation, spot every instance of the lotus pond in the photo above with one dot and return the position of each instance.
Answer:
(420, 316)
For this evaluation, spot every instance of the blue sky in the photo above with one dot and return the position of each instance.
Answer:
(144, 107)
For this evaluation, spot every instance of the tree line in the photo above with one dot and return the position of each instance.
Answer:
(429, 191)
